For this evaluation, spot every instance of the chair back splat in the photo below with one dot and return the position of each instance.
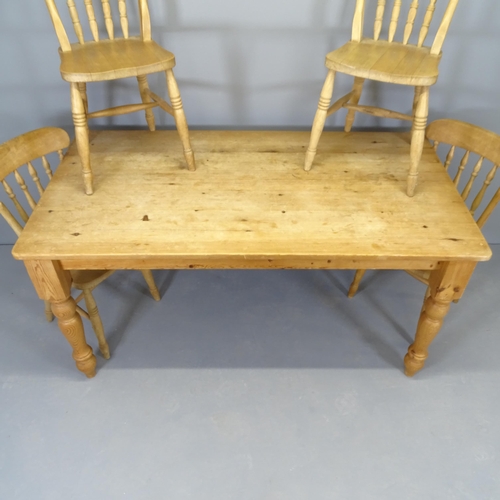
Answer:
(119, 9)
(23, 150)
(476, 140)
(395, 14)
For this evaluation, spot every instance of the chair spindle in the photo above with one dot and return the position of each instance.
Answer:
(34, 175)
(429, 13)
(12, 196)
(461, 167)
(76, 21)
(122, 7)
(46, 166)
(472, 179)
(435, 146)
(26, 192)
(108, 19)
(449, 158)
(479, 198)
(94, 28)
(11, 220)
(412, 14)
(379, 17)
(394, 19)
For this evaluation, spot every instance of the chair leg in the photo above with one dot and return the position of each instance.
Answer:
(320, 118)
(427, 295)
(418, 136)
(143, 89)
(82, 135)
(357, 88)
(82, 87)
(48, 311)
(180, 118)
(148, 278)
(355, 282)
(95, 319)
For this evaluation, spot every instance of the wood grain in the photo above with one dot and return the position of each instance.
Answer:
(251, 201)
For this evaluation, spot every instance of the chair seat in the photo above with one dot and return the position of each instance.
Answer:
(112, 59)
(386, 62)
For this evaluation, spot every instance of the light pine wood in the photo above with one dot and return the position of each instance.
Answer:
(354, 100)
(76, 21)
(394, 19)
(412, 14)
(82, 136)
(122, 110)
(26, 149)
(180, 118)
(429, 14)
(122, 7)
(94, 28)
(54, 284)
(320, 118)
(108, 19)
(374, 111)
(49, 315)
(111, 59)
(445, 283)
(417, 138)
(146, 99)
(252, 206)
(379, 17)
(472, 139)
(390, 61)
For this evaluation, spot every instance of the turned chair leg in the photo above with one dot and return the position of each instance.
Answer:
(421, 105)
(320, 118)
(96, 321)
(357, 88)
(143, 89)
(427, 295)
(148, 278)
(355, 282)
(82, 135)
(49, 315)
(180, 118)
(82, 87)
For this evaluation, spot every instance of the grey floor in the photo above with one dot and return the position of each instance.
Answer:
(252, 385)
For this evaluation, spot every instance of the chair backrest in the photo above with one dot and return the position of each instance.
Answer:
(472, 139)
(107, 12)
(359, 15)
(23, 150)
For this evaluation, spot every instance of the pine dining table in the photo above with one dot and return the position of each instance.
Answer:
(251, 205)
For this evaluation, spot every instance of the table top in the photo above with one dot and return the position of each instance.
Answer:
(250, 204)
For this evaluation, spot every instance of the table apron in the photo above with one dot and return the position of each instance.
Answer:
(250, 262)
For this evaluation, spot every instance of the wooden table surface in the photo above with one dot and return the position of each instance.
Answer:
(250, 204)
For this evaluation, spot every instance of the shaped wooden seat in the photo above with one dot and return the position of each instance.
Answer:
(111, 59)
(472, 139)
(385, 61)
(24, 150)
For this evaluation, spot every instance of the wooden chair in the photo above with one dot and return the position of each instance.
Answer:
(111, 59)
(472, 139)
(23, 150)
(385, 61)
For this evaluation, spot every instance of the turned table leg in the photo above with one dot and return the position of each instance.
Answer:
(446, 284)
(71, 326)
(53, 283)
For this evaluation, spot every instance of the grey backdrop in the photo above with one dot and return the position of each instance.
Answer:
(256, 64)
